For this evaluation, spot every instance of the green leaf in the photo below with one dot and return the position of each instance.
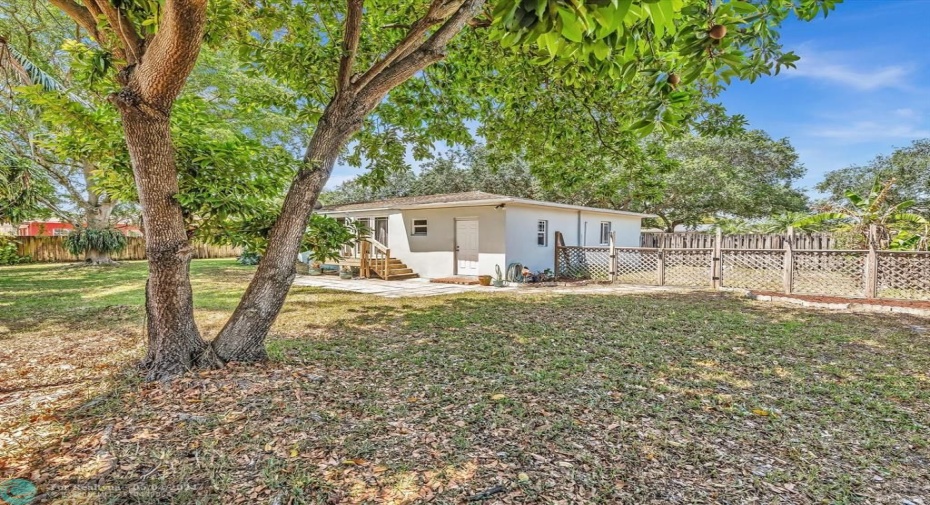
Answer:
(571, 26)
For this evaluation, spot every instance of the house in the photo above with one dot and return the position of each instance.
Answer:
(59, 228)
(468, 234)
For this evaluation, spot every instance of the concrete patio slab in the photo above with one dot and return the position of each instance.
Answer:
(423, 287)
(389, 289)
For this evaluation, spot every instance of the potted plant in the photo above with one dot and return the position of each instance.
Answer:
(345, 273)
(325, 239)
(499, 281)
(484, 280)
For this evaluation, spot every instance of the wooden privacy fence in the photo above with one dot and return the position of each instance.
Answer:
(853, 273)
(694, 240)
(53, 250)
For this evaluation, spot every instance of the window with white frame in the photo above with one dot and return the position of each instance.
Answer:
(542, 233)
(419, 227)
(61, 232)
(605, 232)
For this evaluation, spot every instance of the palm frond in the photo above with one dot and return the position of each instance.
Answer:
(27, 71)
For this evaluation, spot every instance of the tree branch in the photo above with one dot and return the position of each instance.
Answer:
(438, 11)
(63, 180)
(124, 29)
(419, 57)
(350, 41)
(169, 58)
(58, 211)
(80, 15)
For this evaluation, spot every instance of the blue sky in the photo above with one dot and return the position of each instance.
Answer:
(861, 89)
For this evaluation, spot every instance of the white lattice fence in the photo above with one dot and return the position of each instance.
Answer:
(903, 275)
(839, 273)
(584, 263)
(752, 269)
(637, 266)
(883, 274)
(688, 267)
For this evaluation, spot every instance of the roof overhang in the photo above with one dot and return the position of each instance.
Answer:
(486, 202)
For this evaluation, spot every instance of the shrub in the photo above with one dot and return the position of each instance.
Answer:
(8, 254)
(249, 258)
(326, 237)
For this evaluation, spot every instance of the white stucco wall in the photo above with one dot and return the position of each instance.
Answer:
(521, 234)
(433, 255)
(627, 228)
(577, 227)
(505, 236)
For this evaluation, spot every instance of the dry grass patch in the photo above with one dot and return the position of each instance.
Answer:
(520, 398)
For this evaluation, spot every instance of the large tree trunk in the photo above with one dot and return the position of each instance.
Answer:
(243, 337)
(155, 71)
(174, 340)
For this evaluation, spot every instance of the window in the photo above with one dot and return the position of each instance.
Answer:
(381, 230)
(605, 232)
(542, 233)
(61, 232)
(419, 227)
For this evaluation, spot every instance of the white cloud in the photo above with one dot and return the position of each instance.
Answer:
(870, 130)
(844, 69)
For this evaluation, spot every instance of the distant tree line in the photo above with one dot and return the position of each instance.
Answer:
(683, 181)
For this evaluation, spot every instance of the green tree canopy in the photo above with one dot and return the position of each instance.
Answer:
(686, 181)
(747, 176)
(908, 166)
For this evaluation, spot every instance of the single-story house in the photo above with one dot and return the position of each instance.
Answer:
(467, 234)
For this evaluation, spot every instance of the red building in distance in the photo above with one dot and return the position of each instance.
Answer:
(58, 228)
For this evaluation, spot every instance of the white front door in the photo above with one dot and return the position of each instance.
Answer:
(466, 247)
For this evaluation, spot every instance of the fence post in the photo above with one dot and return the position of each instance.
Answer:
(789, 261)
(716, 260)
(612, 269)
(555, 264)
(661, 269)
(871, 265)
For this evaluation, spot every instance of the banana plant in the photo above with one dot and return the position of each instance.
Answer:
(897, 224)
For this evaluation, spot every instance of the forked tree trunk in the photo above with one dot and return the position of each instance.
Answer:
(243, 336)
(174, 340)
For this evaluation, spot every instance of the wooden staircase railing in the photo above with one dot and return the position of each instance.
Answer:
(375, 257)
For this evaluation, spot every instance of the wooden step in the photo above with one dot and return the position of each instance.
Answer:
(402, 277)
(394, 271)
(397, 268)
(461, 280)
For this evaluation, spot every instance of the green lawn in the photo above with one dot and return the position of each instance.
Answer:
(528, 397)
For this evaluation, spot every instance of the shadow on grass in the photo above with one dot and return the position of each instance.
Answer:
(69, 295)
(672, 398)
